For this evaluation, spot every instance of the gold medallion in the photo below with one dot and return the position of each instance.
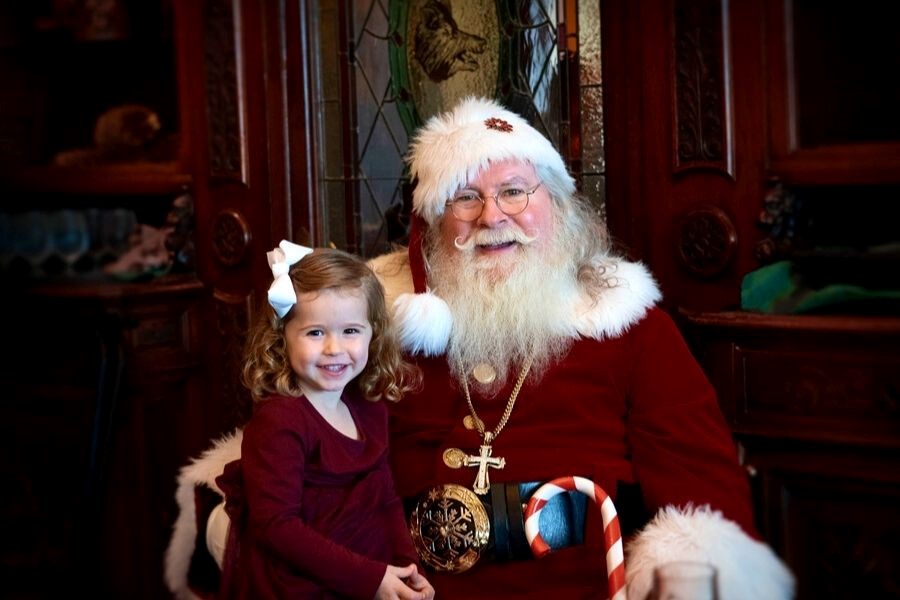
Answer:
(470, 422)
(484, 373)
(454, 458)
(450, 528)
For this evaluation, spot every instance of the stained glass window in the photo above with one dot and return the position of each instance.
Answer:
(386, 66)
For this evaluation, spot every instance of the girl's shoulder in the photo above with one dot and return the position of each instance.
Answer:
(278, 412)
(276, 403)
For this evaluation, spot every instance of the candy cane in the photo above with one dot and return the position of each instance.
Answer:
(615, 558)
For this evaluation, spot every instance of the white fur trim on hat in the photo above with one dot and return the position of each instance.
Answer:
(747, 569)
(451, 148)
(200, 472)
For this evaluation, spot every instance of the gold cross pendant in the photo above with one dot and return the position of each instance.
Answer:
(484, 460)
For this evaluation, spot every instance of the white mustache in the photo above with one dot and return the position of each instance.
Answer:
(491, 237)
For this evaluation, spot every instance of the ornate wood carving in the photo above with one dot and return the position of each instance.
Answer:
(702, 108)
(707, 240)
(839, 533)
(829, 385)
(231, 237)
(233, 314)
(222, 99)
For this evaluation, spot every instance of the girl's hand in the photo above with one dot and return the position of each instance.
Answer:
(418, 582)
(394, 585)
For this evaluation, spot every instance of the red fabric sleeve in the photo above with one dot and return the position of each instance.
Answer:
(682, 448)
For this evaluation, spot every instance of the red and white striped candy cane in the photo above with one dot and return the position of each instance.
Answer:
(615, 557)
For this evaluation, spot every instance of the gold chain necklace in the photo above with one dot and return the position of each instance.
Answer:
(456, 458)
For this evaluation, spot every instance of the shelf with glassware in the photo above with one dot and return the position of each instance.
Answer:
(102, 240)
(95, 180)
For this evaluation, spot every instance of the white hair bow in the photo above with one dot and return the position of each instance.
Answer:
(281, 293)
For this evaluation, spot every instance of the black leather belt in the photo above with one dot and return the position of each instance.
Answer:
(453, 528)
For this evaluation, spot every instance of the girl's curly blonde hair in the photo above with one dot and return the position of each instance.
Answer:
(267, 369)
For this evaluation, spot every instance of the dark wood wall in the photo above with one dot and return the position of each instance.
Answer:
(745, 135)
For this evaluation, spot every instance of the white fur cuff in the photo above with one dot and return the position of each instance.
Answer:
(747, 569)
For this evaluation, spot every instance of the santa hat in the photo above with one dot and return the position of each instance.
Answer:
(451, 148)
(446, 153)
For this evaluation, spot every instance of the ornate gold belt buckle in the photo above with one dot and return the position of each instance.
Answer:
(450, 528)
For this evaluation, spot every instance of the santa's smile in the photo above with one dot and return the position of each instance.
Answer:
(495, 246)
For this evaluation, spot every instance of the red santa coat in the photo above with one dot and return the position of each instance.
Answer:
(628, 403)
(635, 409)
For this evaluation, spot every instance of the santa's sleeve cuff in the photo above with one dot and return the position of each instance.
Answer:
(746, 569)
(200, 473)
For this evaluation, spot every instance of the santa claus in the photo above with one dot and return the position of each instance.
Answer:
(543, 355)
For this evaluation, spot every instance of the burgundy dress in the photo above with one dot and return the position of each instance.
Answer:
(314, 513)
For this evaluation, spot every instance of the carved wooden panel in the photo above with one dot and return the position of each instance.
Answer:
(223, 109)
(706, 241)
(703, 137)
(832, 383)
(840, 535)
(233, 314)
(231, 237)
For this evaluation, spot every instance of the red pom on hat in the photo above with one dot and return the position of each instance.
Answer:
(423, 319)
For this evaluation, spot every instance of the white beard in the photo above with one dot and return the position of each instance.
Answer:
(505, 309)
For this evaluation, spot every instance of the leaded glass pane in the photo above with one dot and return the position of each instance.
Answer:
(410, 59)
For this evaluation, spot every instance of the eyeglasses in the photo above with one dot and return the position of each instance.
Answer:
(468, 206)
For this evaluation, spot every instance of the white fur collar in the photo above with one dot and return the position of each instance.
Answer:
(424, 320)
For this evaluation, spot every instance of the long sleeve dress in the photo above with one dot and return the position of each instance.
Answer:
(314, 512)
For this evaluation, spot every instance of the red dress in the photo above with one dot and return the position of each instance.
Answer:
(314, 513)
(634, 408)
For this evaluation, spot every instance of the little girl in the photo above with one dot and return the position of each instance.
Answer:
(312, 502)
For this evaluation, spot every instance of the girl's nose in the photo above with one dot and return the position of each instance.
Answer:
(331, 345)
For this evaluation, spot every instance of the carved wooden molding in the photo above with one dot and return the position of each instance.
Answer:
(702, 109)
(223, 102)
(706, 241)
(233, 314)
(231, 237)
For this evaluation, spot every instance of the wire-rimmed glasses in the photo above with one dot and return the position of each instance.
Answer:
(468, 206)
